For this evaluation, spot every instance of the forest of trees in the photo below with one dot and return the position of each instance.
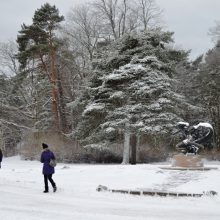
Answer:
(104, 84)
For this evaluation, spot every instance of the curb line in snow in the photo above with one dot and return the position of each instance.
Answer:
(101, 188)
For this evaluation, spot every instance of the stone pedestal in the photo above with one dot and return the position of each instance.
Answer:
(192, 161)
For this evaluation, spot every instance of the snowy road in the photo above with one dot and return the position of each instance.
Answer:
(21, 197)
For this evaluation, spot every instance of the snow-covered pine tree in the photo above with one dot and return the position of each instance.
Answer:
(132, 92)
(38, 43)
(206, 88)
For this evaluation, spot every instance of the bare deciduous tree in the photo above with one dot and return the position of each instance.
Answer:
(149, 13)
(108, 10)
(84, 29)
(8, 62)
(215, 31)
(118, 16)
(101, 20)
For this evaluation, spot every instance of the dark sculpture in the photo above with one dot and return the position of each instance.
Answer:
(194, 138)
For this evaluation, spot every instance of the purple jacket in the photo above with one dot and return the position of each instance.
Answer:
(46, 155)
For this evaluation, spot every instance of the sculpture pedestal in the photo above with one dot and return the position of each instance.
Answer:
(192, 161)
(187, 162)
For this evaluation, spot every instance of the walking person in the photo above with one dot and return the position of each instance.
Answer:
(46, 156)
(1, 155)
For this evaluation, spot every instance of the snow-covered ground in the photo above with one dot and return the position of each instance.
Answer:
(21, 197)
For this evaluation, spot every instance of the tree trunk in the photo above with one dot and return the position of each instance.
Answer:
(133, 141)
(62, 109)
(53, 77)
(126, 153)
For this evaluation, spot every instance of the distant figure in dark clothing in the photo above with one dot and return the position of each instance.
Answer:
(1, 155)
(48, 170)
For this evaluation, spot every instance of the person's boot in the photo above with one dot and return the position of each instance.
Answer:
(46, 190)
(54, 189)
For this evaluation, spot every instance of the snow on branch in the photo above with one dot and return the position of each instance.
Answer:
(14, 124)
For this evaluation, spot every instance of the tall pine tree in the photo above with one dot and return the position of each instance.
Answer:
(38, 44)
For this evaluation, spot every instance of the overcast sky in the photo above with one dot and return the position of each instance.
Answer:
(189, 19)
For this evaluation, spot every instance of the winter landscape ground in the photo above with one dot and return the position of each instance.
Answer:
(21, 197)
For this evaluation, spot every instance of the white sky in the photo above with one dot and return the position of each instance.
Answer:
(189, 19)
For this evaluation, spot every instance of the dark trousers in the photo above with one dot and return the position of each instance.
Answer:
(46, 178)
